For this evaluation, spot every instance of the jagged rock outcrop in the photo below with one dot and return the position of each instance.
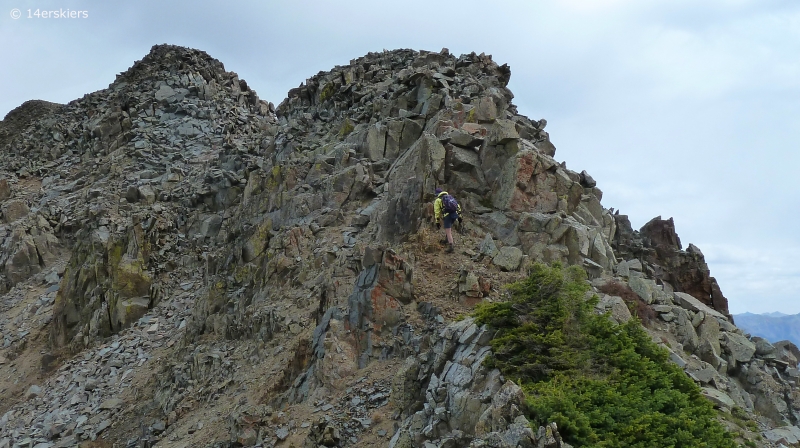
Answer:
(447, 397)
(166, 143)
(658, 246)
(733, 369)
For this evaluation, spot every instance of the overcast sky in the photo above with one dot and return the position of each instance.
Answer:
(677, 108)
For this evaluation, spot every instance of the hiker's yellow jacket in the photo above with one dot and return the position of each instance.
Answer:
(438, 208)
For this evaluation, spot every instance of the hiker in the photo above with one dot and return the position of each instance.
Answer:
(446, 210)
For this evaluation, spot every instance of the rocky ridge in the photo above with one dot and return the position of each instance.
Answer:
(200, 266)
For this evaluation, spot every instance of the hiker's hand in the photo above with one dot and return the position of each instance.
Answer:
(438, 225)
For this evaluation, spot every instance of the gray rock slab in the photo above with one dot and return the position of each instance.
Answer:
(111, 403)
(740, 348)
(34, 391)
(502, 132)
(718, 398)
(509, 258)
(662, 308)
(625, 267)
(14, 210)
(687, 335)
(763, 347)
(616, 306)
(677, 360)
(703, 375)
(786, 435)
(643, 288)
(488, 247)
(690, 303)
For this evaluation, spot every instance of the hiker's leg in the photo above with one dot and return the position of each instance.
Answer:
(448, 224)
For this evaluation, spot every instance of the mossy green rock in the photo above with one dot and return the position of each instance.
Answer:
(105, 272)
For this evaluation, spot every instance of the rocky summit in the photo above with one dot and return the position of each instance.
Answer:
(183, 263)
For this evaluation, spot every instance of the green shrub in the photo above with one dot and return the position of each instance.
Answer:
(605, 385)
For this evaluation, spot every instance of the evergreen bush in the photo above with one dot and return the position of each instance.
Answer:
(604, 384)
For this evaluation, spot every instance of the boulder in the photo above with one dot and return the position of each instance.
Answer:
(643, 288)
(488, 247)
(740, 348)
(33, 392)
(502, 132)
(23, 260)
(502, 227)
(14, 210)
(617, 308)
(763, 348)
(147, 194)
(718, 398)
(684, 329)
(788, 352)
(5, 189)
(709, 333)
(624, 268)
(464, 159)
(464, 139)
(132, 194)
(527, 184)
(587, 181)
(788, 435)
(418, 171)
(406, 388)
(691, 303)
(508, 258)
(472, 285)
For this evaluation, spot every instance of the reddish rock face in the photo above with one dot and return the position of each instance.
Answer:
(386, 310)
(660, 235)
(531, 182)
(658, 245)
(376, 304)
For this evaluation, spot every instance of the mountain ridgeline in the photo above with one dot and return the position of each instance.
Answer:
(183, 263)
(774, 328)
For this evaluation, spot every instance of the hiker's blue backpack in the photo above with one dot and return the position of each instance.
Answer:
(449, 204)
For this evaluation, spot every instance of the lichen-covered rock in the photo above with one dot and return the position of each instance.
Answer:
(508, 258)
(616, 307)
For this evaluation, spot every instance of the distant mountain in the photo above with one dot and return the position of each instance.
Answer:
(772, 326)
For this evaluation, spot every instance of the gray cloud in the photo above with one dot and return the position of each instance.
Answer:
(678, 108)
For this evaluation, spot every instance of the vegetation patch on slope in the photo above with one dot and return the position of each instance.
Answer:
(605, 385)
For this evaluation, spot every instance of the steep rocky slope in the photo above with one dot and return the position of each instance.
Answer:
(185, 264)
